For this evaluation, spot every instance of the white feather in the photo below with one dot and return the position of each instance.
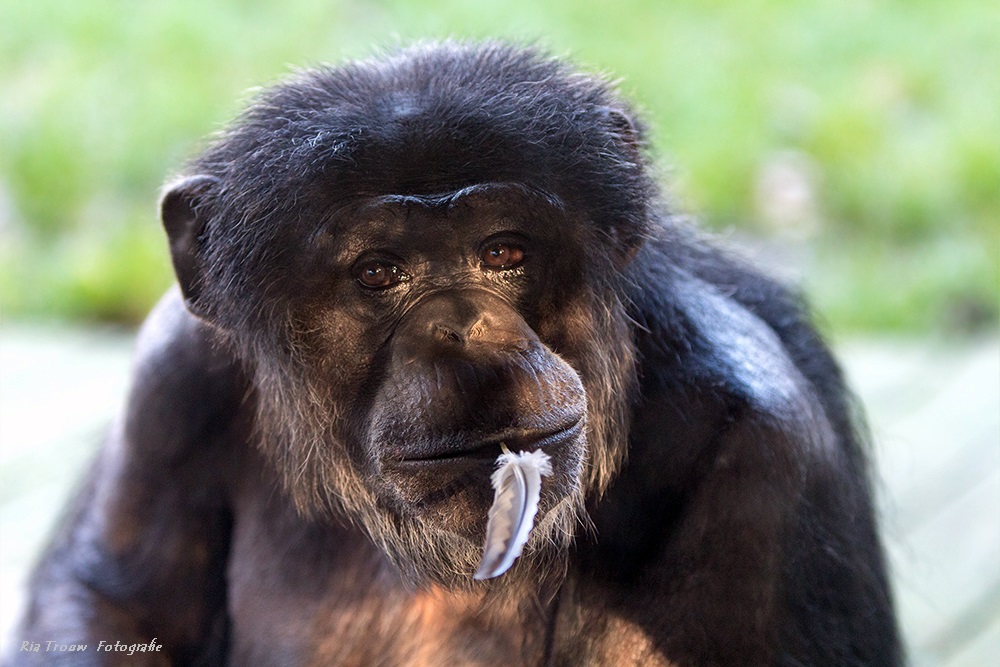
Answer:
(517, 484)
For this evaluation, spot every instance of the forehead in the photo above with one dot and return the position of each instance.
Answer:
(419, 127)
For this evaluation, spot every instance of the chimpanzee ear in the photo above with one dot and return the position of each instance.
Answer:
(629, 134)
(626, 130)
(185, 208)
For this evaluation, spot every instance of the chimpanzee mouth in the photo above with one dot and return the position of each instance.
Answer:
(442, 471)
(487, 449)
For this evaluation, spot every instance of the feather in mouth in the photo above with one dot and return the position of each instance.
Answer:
(517, 485)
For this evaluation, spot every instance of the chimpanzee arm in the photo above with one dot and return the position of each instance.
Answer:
(142, 553)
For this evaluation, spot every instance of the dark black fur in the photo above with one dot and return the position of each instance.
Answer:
(301, 475)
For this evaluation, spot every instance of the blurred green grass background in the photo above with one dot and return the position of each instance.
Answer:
(864, 135)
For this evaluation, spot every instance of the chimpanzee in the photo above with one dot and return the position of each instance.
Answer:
(396, 275)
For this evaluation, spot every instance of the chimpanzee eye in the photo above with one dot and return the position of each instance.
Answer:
(501, 256)
(376, 274)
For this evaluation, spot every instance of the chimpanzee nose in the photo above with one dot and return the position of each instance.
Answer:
(449, 318)
(457, 321)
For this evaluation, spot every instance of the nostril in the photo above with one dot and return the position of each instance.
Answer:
(477, 330)
(447, 333)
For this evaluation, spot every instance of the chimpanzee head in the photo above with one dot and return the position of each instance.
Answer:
(419, 260)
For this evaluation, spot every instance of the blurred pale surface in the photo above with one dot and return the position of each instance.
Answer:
(934, 411)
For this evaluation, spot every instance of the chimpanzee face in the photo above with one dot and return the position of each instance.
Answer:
(422, 311)
(415, 281)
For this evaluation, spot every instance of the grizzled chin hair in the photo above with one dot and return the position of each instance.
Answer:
(427, 554)
(304, 437)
